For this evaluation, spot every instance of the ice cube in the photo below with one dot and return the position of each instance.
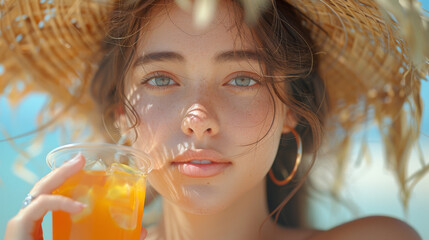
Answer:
(121, 179)
(124, 217)
(122, 190)
(124, 169)
(97, 165)
(117, 191)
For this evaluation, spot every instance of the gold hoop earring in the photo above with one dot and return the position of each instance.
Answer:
(295, 167)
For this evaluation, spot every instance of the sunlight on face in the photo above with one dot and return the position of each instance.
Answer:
(200, 96)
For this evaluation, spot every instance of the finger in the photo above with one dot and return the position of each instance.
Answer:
(45, 202)
(27, 220)
(38, 231)
(143, 233)
(58, 176)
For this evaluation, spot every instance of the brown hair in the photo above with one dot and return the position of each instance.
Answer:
(287, 48)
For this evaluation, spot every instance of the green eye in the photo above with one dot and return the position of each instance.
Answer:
(160, 81)
(242, 82)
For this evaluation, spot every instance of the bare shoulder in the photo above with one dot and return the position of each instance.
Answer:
(370, 228)
(282, 233)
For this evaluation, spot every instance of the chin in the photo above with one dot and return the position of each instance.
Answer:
(200, 199)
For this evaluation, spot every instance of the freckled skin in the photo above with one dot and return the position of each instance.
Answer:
(200, 89)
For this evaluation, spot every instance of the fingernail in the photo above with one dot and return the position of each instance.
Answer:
(73, 160)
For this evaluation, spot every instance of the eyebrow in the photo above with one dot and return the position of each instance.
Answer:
(237, 56)
(158, 57)
(174, 56)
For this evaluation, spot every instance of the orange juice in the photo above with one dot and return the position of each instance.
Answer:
(114, 202)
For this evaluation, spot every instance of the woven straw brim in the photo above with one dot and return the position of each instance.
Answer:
(364, 59)
(372, 61)
(372, 69)
(49, 47)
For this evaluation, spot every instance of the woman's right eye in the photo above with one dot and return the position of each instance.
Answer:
(160, 81)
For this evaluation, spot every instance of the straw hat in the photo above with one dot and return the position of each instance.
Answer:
(373, 56)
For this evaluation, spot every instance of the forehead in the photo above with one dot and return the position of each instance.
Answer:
(172, 28)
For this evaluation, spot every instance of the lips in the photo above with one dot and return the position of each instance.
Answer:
(201, 163)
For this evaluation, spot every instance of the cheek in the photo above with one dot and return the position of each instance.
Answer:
(249, 120)
(257, 126)
(158, 125)
(164, 183)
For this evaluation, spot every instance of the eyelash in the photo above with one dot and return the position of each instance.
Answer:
(145, 81)
(238, 75)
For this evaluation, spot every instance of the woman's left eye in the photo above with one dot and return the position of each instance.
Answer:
(161, 81)
(242, 82)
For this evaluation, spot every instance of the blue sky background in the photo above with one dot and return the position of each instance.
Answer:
(371, 186)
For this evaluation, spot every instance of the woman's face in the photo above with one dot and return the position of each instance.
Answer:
(200, 98)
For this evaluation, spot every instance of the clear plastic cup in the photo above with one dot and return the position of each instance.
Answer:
(112, 184)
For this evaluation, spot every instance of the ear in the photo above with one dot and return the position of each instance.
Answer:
(290, 121)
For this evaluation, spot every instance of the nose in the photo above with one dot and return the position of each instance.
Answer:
(199, 122)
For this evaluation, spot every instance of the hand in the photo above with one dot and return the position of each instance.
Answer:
(27, 224)
(143, 233)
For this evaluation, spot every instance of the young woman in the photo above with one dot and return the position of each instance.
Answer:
(219, 106)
